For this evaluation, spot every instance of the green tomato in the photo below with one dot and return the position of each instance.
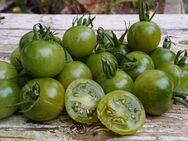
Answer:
(143, 36)
(7, 71)
(141, 63)
(79, 41)
(183, 86)
(161, 56)
(121, 112)
(72, 71)
(26, 39)
(15, 59)
(121, 81)
(81, 99)
(43, 98)
(43, 58)
(184, 78)
(174, 72)
(154, 88)
(9, 95)
(94, 62)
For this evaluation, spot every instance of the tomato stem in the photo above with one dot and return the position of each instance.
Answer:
(108, 42)
(121, 39)
(83, 21)
(180, 93)
(128, 63)
(181, 101)
(43, 33)
(181, 58)
(30, 107)
(20, 103)
(180, 97)
(144, 11)
(167, 43)
(31, 96)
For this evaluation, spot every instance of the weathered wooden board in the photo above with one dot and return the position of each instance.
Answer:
(171, 126)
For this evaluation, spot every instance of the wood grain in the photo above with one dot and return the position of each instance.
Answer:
(171, 126)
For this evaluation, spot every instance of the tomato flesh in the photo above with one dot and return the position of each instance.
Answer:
(81, 100)
(121, 112)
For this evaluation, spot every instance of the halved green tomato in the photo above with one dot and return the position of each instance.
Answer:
(121, 112)
(81, 99)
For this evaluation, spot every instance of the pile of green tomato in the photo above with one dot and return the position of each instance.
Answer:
(94, 75)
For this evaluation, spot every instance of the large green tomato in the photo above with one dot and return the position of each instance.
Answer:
(43, 98)
(72, 71)
(79, 41)
(143, 36)
(9, 96)
(155, 90)
(121, 112)
(43, 58)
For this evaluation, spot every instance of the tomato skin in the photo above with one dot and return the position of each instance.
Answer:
(121, 112)
(72, 71)
(161, 56)
(143, 36)
(43, 58)
(79, 41)
(95, 64)
(154, 88)
(15, 59)
(142, 64)
(173, 71)
(184, 78)
(50, 101)
(9, 95)
(183, 86)
(81, 99)
(7, 71)
(26, 39)
(121, 81)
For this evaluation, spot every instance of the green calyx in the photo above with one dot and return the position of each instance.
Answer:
(144, 11)
(31, 97)
(83, 21)
(128, 63)
(108, 42)
(43, 33)
(180, 97)
(109, 67)
(167, 43)
(181, 58)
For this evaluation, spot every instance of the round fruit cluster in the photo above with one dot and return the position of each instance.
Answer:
(95, 76)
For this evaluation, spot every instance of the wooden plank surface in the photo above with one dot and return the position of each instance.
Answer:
(171, 126)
